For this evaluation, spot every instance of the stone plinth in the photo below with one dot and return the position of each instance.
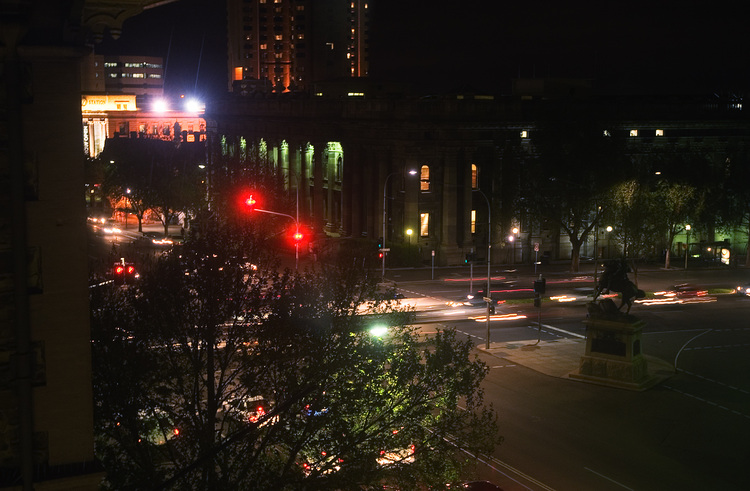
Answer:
(614, 354)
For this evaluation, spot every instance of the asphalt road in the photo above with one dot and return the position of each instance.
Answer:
(690, 432)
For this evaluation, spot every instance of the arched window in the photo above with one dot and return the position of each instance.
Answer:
(424, 178)
(474, 177)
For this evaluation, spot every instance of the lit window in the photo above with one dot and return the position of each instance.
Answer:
(474, 180)
(633, 132)
(524, 134)
(139, 75)
(473, 221)
(263, 46)
(424, 224)
(424, 178)
(279, 37)
(659, 132)
(607, 133)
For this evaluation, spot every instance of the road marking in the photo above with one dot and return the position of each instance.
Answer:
(686, 343)
(713, 381)
(575, 335)
(701, 399)
(608, 479)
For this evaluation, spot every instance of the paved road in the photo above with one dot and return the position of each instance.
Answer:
(688, 432)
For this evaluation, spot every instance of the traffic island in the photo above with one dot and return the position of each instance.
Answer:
(614, 351)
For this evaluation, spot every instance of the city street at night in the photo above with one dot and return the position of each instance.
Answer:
(687, 432)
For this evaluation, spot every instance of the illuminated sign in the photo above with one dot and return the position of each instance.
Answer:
(98, 103)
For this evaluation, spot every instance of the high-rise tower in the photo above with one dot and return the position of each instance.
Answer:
(286, 45)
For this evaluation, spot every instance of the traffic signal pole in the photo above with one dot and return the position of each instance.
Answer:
(297, 234)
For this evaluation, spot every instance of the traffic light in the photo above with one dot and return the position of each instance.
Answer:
(380, 243)
(249, 200)
(124, 273)
(540, 286)
(298, 236)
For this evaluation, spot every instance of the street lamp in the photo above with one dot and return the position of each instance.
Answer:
(385, 189)
(687, 244)
(512, 240)
(408, 234)
(489, 250)
(609, 239)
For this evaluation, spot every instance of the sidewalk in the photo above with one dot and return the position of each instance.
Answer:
(561, 357)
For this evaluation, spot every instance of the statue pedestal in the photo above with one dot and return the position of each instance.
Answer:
(614, 353)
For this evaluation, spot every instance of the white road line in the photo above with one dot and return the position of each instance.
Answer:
(575, 335)
(608, 479)
(701, 399)
(686, 343)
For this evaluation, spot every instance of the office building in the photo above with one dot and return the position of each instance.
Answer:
(286, 45)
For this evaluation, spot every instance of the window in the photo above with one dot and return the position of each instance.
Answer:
(659, 132)
(524, 134)
(606, 133)
(424, 224)
(473, 221)
(633, 132)
(474, 180)
(424, 178)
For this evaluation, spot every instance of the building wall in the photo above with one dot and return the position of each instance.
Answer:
(379, 137)
(286, 45)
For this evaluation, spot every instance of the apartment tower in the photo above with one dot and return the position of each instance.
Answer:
(287, 45)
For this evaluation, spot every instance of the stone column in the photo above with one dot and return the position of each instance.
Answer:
(317, 199)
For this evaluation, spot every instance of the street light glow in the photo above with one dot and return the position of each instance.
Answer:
(379, 330)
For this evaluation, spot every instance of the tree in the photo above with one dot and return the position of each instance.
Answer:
(633, 209)
(577, 164)
(675, 203)
(206, 332)
(153, 175)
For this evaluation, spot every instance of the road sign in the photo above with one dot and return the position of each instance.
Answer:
(385, 249)
(536, 246)
(487, 299)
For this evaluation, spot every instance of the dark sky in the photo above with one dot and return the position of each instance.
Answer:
(661, 45)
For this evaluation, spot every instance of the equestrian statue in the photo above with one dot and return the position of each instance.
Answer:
(615, 279)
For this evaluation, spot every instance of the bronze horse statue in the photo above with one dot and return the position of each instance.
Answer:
(615, 278)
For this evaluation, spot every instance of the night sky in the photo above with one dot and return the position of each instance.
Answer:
(658, 46)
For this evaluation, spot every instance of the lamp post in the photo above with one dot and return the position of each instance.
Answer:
(385, 189)
(609, 239)
(512, 239)
(297, 233)
(687, 244)
(489, 250)
(408, 234)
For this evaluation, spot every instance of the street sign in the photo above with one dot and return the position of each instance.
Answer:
(487, 299)
(385, 249)
(536, 246)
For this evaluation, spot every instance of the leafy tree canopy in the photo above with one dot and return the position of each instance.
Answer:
(183, 358)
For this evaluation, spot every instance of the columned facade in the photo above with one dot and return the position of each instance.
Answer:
(354, 154)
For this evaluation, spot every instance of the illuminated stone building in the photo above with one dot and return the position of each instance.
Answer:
(139, 75)
(46, 403)
(287, 45)
(352, 155)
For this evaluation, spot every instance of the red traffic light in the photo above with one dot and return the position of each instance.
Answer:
(119, 269)
(248, 200)
(298, 236)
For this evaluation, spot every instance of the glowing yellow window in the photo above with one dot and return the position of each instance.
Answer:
(424, 224)
(633, 132)
(424, 178)
(659, 132)
(473, 221)
(474, 180)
